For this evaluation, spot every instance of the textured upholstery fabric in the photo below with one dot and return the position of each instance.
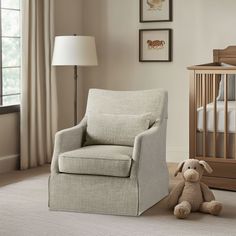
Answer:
(115, 129)
(97, 160)
(149, 165)
(148, 180)
(67, 140)
(93, 194)
(129, 102)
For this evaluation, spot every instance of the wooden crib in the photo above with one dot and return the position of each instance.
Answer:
(212, 117)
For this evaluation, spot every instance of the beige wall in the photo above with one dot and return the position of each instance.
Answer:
(9, 134)
(198, 27)
(9, 141)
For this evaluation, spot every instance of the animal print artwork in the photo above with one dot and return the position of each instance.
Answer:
(155, 44)
(155, 4)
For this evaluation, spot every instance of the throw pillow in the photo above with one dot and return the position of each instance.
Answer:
(115, 129)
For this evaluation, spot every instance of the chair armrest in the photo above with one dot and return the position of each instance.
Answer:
(149, 149)
(67, 140)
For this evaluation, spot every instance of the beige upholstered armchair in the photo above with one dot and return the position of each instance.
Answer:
(114, 161)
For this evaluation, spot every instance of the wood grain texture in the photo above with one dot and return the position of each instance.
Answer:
(204, 90)
(215, 113)
(192, 116)
(220, 183)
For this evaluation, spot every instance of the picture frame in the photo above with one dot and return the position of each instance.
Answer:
(155, 10)
(155, 45)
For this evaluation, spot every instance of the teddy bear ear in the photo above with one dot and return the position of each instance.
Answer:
(206, 166)
(179, 168)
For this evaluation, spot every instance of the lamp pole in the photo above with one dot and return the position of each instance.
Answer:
(75, 94)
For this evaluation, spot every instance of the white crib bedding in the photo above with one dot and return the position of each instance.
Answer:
(220, 117)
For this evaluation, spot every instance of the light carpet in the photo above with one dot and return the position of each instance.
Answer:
(24, 211)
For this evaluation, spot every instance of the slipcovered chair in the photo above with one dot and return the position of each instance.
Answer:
(119, 170)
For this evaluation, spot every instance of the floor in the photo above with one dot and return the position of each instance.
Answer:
(24, 212)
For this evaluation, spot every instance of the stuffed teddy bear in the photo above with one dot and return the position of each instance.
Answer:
(192, 195)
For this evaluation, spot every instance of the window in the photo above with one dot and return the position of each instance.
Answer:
(10, 58)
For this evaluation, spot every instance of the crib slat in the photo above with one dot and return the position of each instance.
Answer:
(206, 87)
(226, 114)
(209, 88)
(204, 113)
(200, 82)
(215, 113)
(196, 89)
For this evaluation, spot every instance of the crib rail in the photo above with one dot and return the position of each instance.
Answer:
(204, 87)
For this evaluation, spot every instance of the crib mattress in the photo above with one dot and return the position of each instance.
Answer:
(220, 117)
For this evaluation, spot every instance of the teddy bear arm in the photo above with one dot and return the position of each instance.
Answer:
(207, 193)
(175, 194)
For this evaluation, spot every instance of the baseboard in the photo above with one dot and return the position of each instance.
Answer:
(9, 163)
(176, 154)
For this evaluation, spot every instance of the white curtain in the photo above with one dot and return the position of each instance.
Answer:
(39, 99)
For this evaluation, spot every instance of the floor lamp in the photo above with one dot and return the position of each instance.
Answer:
(74, 51)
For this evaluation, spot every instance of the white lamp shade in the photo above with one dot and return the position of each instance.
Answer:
(74, 50)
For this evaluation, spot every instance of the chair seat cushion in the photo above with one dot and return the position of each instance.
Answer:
(105, 160)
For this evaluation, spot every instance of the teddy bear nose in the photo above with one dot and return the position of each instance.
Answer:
(191, 175)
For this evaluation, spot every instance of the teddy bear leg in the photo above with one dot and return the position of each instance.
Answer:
(212, 207)
(182, 210)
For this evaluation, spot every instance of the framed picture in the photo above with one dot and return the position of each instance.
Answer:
(155, 10)
(155, 45)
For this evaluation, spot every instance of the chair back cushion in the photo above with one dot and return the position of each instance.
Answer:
(128, 102)
(115, 129)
